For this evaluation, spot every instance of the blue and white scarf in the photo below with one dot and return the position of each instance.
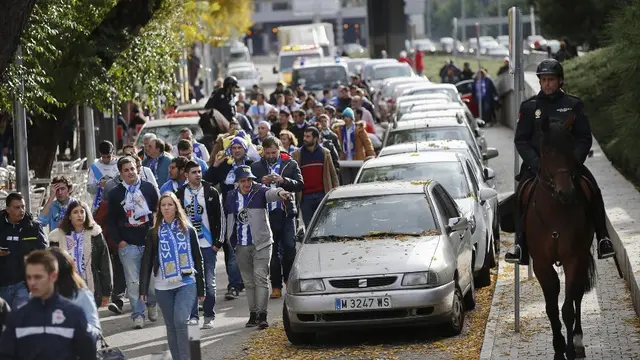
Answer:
(77, 249)
(174, 252)
(195, 211)
(349, 141)
(153, 165)
(98, 175)
(231, 176)
(481, 88)
(275, 169)
(135, 205)
(196, 150)
(61, 210)
(243, 228)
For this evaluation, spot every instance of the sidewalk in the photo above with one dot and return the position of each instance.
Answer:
(610, 324)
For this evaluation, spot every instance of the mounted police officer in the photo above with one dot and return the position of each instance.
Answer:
(551, 101)
(223, 99)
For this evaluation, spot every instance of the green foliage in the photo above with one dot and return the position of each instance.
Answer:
(608, 82)
(582, 22)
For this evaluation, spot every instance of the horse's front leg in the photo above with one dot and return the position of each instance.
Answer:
(577, 331)
(568, 311)
(550, 284)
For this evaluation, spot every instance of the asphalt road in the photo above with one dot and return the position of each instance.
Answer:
(228, 338)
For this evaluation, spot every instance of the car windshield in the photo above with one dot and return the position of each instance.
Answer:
(319, 78)
(448, 174)
(381, 73)
(368, 216)
(238, 56)
(453, 93)
(286, 61)
(414, 106)
(169, 133)
(243, 74)
(431, 134)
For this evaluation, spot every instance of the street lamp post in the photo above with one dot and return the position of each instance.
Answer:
(20, 136)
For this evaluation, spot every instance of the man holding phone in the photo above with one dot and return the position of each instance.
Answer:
(20, 234)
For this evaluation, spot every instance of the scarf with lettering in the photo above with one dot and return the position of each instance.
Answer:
(275, 169)
(174, 252)
(75, 243)
(135, 205)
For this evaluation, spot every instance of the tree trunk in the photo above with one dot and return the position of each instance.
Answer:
(43, 137)
(13, 17)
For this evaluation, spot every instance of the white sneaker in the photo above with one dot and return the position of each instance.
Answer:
(193, 322)
(138, 323)
(208, 323)
(152, 313)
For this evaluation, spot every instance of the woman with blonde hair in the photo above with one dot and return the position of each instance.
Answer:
(71, 286)
(289, 141)
(172, 254)
(82, 238)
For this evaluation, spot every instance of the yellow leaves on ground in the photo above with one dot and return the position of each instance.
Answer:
(397, 344)
(214, 21)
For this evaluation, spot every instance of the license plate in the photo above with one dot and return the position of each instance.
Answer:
(364, 303)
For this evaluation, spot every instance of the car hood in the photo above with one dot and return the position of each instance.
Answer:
(365, 257)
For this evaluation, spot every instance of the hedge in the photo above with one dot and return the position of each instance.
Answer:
(608, 81)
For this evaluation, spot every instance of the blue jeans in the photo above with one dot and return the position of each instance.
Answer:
(210, 258)
(16, 295)
(176, 307)
(310, 203)
(235, 279)
(131, 258)
(284, 252)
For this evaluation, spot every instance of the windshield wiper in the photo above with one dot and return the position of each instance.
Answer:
(390, 234)
(334, 238)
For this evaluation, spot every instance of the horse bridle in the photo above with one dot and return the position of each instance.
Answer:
(545, 177)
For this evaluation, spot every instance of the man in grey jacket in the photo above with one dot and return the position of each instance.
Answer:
(248, 230)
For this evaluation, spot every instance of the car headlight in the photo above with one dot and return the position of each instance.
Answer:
(428, 278)
(308, 285)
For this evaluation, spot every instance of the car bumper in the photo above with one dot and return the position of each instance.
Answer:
(316, 313)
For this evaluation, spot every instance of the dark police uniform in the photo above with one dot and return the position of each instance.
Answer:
(558, 107)
(222, 101)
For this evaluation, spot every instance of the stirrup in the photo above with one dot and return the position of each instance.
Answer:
(608, 254)
(515, 256)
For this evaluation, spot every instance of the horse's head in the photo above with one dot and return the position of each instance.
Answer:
(558, 165)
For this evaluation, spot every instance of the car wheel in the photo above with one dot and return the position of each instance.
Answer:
(456, 322)
(470, 298)
(295, 338)
(483, 277)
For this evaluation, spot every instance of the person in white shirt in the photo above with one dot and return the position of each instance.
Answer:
(258, 112)
(199, 150)
(102, 170)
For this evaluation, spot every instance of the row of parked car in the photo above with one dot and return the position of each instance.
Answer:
(414, 236)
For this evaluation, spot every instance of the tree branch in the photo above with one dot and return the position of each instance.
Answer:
(13, 17)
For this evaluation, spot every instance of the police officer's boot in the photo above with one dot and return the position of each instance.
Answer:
(519, 253)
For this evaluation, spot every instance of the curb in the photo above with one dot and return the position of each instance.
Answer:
(625, 266)
(492, 321)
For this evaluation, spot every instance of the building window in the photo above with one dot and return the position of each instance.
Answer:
(281, 6)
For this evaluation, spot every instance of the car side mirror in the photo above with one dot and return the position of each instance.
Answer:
(457, 224)
(486, 194)
(481, 123)
(490, 154)
(489, 173)
(275, 71)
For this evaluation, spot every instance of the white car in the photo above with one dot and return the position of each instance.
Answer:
(247, 76)
(384, 71)
(381, 255)
(455, 173)
(169, 129)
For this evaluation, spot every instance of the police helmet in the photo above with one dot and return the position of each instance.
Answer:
(230, 81)
(550, 67)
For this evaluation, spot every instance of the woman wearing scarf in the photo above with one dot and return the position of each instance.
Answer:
(79, 235)
(71, 286)
(172, 255)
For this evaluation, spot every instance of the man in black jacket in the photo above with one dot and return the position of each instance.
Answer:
(19, 235)
(278, 169)
(203, 205)
(552, 103)
(221, 173)
(48, 327)
(130, 216)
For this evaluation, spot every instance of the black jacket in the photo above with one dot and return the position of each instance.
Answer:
(61, 332)
(21, 239)
(150, 264)
(223, 102)
(213, 205)
(558, 107)
(119, 227)
(335, 155)
(293, 182)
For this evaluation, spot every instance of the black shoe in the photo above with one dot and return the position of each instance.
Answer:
(262, 321)
(115, 307)
(605, 248)
(253, 320)
(231, 294)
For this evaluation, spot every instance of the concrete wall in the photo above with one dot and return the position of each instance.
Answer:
(387, 27)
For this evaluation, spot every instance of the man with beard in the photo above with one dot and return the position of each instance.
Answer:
(318, 172)
(277, 169)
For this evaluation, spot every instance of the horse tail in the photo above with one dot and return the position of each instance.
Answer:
(592, 275)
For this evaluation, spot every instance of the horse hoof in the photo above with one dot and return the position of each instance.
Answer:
(580, 353)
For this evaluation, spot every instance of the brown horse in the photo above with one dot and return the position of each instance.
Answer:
(212, 123)
(559, 231)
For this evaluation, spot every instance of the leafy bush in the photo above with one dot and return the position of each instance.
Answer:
(608, 81)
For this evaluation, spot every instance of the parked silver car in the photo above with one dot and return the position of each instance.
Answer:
(381, 254)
